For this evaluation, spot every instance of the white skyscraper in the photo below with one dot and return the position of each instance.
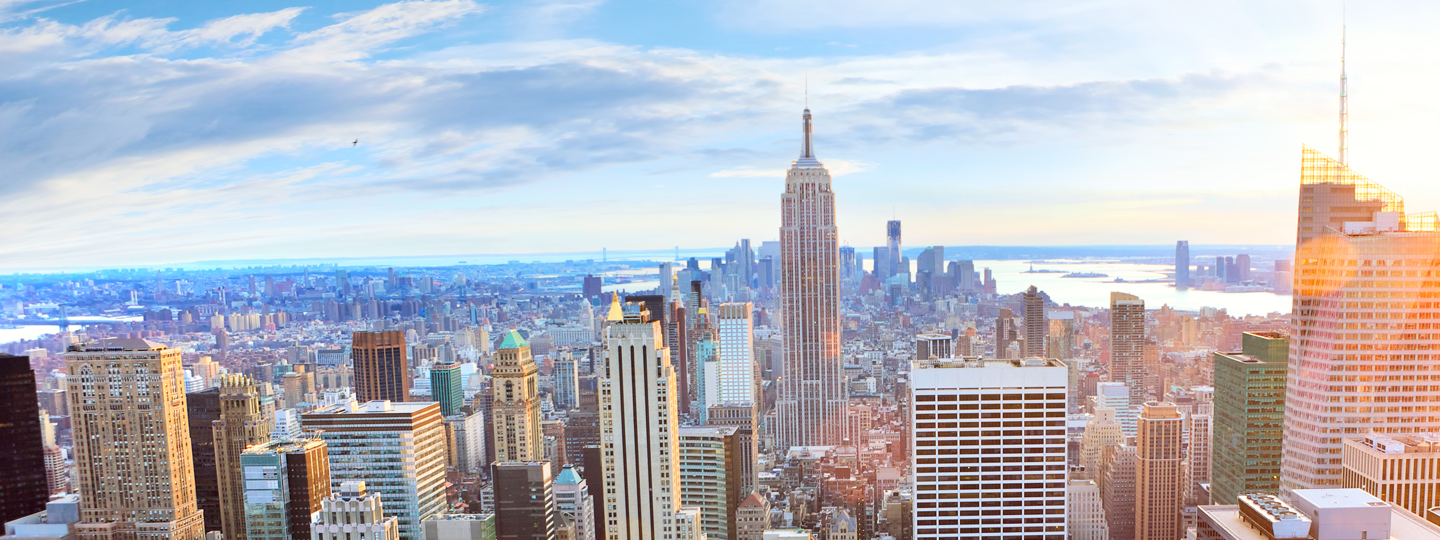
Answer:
(734, 324)
(813, 393)
(1000, 424)
(638, 431)
(572, 498)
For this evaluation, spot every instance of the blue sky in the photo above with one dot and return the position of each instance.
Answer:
(145, 133)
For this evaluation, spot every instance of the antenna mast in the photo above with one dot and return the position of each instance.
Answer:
(1344, 106)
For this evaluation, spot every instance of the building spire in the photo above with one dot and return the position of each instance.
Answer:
(1344, 105)
(808, 151)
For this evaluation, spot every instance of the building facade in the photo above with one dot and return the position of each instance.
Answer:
(525, 501)
(132, 442)
(813, 393)
(354, 513)
(446, 388)
(243, 422)
(381, 366)
(396, 449)
(515, 385)
(639, 435)
(1159, 485)
(1249, 417)
(710, 476)
(572, 498)
(1127, 344)
(1021, 404)
(285, 482)
(24, 485)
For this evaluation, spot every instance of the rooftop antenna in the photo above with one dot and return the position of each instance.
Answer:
(1344, 106)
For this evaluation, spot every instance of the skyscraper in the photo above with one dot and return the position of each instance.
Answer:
(525, 504)
(516, 409)
(639, 424)
(381, 369)
(567, 381)
(1182, 265)
(1127, 344)
(813, 393)
(1249, 417)
(289, 479)
(447, 388)
(24, 489)
(572, 498)
(711, 476)
(203, 409)
(134, 462)
(243, 422)
(892, 248)
(1034, 323)
(736, 351)
(355, 512)
(1361, 284)
(989, 456)
(396, 450)
(1158, 490)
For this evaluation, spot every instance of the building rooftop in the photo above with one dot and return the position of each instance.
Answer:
(118, 344)
(978, 362)
(702, 431)
(568, 476)
(753, 500)
(513, 340)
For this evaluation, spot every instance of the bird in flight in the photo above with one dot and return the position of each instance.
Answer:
(357, 141)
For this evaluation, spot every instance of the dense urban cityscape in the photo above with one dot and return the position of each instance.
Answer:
(791, 388)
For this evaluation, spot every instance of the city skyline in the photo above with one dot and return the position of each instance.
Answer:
(225, 170)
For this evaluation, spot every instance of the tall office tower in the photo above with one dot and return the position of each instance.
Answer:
(1399, 469)
(752, 519)
(1005, 333)
(286, 480)
(592, 288)
(711, 476)
(1198, 458)
(813, 393)
(24, 485)
(355, 512)
(525, 507)
(1249, 417)
(1117, 490)
(892, 248)
(736, 352)
(567, 382)
(1100, 431)
(1158, 489)
(1034, 323)
(665, 276)
(468, 430)
(582, 425)
(1360, 283)
(447, 388)
(1220, 268)
(1060, 335)
(382, 372)
(242, 423)
(1127, 344)
(847, 262)
(1182, 265)
(57, 472)
(639, 419)
(967, 280)
(203, 409)
(132, 441)
(572, 498)
(1028, 443)
(1242, 265)
(1117, 397)
(1085, 511)
(396, 449)
(516, 410)
(880, 260)
(742, 417)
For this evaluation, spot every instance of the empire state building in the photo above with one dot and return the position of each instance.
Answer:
(813, 394)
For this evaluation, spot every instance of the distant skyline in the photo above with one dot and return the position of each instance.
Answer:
(146, 133)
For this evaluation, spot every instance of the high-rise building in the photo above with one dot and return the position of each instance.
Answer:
(382, 372)
(467, 429)
(813, 393)
(1102, 430)
(735, 352)
(396, 449)
(1182, 265)
(353, 512)
(1029, 444)
(567, 381)
(1359, 287)
(1117, 490)
(892, 248)
(243, 422)
(1242, 265)
(516, 410)
(639, 423)
(572, 498)
(1085, 512)
(1034, 323)
(132, 441)
(752, 518)
(1127, 344)
(1399, 469)
(447, 388)
(24, 488)
(1158, 490)
(1249, 417)
(710, 476)
(203, 409)
(286, 480)
(742, 417)
(1116, 396)
(525, 505)
(1198, 458)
